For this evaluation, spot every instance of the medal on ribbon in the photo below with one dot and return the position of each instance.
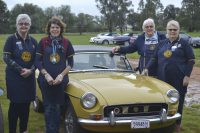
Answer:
(55, 58)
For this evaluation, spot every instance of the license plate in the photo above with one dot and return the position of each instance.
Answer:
(140, 124)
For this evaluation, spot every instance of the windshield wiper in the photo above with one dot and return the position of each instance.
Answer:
(100, 66)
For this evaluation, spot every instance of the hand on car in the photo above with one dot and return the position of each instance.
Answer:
(58, 79)
(115, 49)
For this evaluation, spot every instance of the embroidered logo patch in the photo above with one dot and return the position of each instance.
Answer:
(26, 56)
(152, 46)
(168, 53)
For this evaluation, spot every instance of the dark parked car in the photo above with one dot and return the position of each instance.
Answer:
(193, 41)
(125, 39)
(1, 114)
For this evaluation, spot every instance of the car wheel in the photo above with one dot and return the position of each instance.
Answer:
(71, 122)
(38, 106)
(1, 121)
(194, 45)
(105, 42)
(168, 129)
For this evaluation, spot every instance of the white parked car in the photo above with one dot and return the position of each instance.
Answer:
(92, 38)
(107, 38)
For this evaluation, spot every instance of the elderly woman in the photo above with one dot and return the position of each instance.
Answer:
(175, 60)
(19, 55)
(54, 60)
(145, 45)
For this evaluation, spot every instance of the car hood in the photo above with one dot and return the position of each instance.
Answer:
(121, 88)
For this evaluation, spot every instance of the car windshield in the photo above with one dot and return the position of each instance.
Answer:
(100, 60)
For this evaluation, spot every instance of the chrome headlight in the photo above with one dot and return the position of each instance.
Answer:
(173, 95)
(88, 100)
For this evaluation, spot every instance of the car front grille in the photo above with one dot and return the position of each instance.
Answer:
(130, 110)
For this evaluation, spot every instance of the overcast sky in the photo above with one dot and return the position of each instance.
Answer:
(77, 6)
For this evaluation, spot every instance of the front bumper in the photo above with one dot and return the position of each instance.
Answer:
(112, 121)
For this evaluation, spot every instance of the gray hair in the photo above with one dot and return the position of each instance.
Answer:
(23, 18)
(173, 23)
(147, 21)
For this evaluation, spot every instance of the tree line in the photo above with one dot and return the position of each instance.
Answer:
(115, 14)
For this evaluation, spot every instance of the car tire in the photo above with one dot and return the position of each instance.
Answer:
(168, 129)
(71, 122)
(105, 42)
(1, 121)
(38, 106)
(194, 45)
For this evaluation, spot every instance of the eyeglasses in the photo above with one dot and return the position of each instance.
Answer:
(172, 29)
(151, 26)
(21, 24)
(54, 27)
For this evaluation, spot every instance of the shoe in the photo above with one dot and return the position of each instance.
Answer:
(178, 128)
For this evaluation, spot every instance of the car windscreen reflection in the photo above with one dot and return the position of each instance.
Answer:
(100, 60)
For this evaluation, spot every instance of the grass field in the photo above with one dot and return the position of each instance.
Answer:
(191, 115)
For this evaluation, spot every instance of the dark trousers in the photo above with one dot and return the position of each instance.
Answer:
(180, 106)
(18, 111)
(52, 118)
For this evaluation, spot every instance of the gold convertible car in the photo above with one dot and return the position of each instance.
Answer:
(106, 95)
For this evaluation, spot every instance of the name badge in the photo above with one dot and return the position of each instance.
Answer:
(19, 45)
(173, 48)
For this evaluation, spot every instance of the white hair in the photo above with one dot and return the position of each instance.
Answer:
(148, 21)
(23, 18)
(173, 23)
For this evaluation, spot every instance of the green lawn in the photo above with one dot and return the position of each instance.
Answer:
(191, 117)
